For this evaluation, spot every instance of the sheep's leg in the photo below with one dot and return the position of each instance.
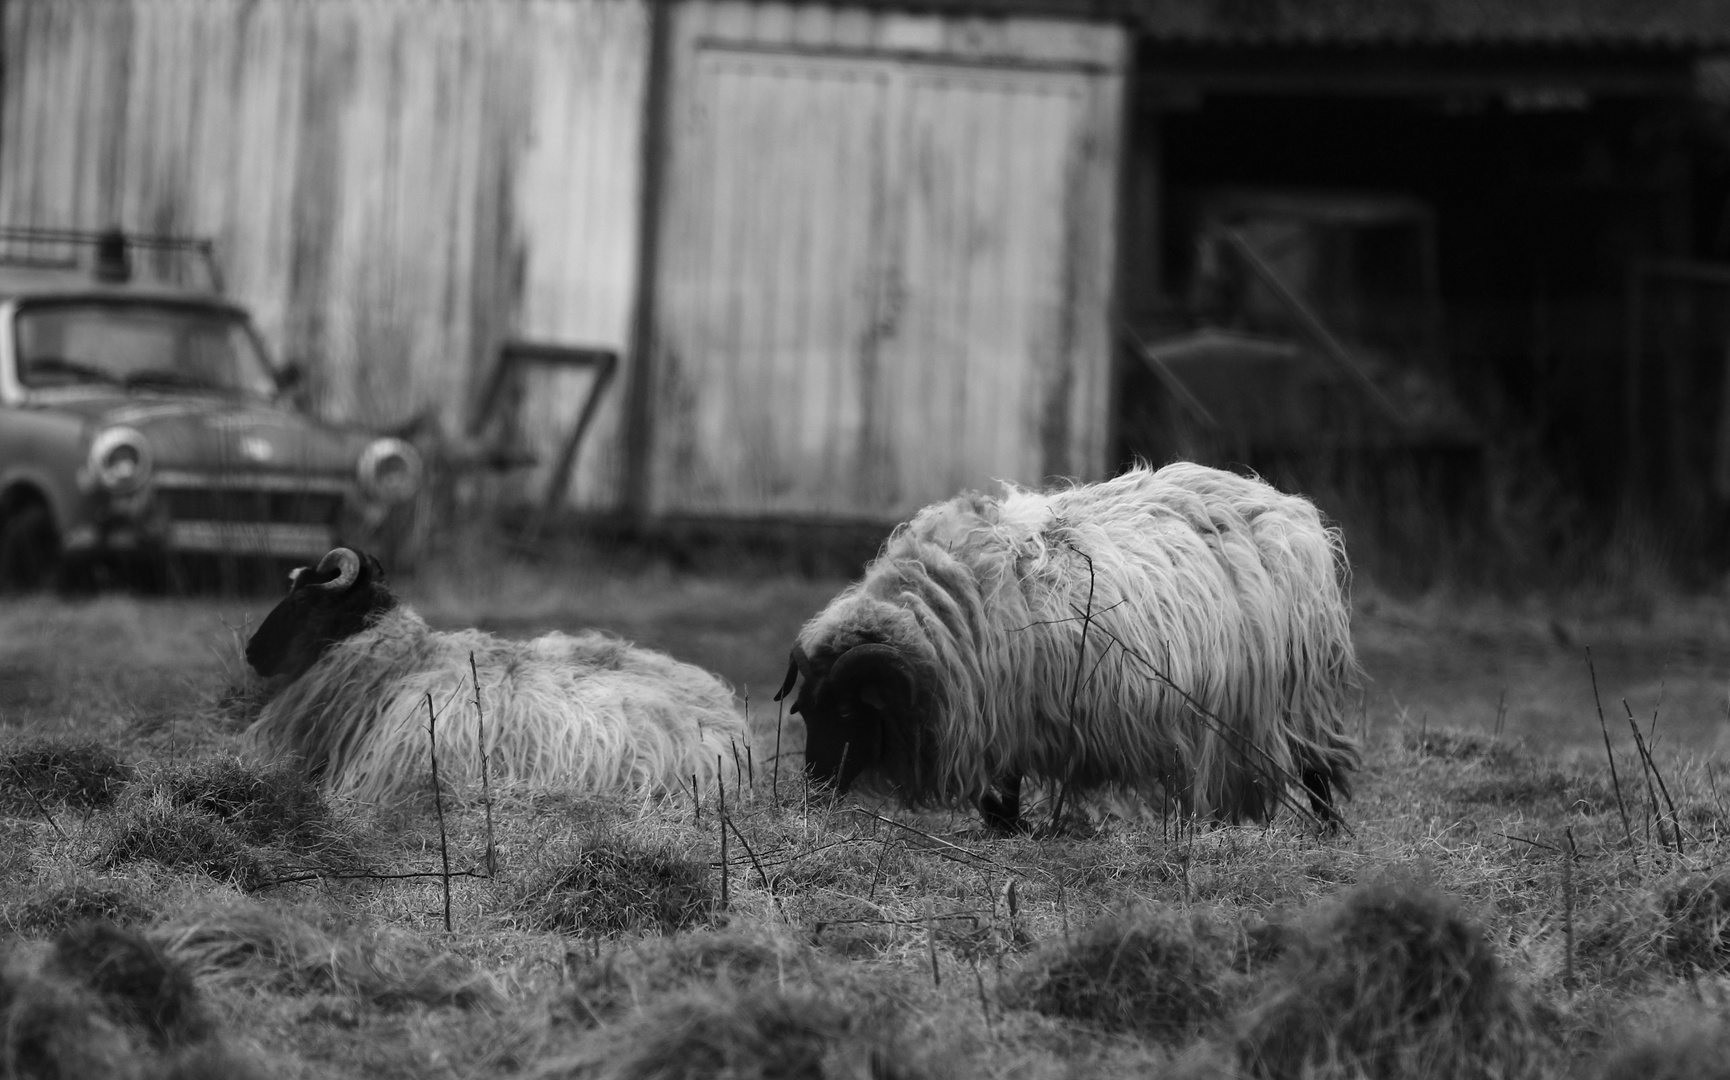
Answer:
(1321, 792)
(1001, 807)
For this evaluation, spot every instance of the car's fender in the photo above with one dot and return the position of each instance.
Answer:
(41, 454)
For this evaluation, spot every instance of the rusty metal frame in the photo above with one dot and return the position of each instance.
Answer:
(514, 354)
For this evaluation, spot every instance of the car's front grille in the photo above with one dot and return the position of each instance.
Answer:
(233, 505)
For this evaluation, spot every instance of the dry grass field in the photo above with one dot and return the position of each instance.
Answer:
(1502, 905)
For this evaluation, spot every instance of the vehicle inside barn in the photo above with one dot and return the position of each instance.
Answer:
(1531, 219)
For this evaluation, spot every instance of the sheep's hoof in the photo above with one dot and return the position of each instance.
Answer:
(1002, 810)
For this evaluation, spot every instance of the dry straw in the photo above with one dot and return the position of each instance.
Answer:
(1695, 1050)
(54, 905)
(1393, 982)
(1155, 971)
(615, 886)
(182, 838)
(107, 1004)
(232, 943)
(762, 1033)
(42, 773)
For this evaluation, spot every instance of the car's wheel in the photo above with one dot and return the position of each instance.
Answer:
(29, 550)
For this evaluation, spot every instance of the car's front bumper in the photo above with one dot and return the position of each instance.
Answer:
(266, 516)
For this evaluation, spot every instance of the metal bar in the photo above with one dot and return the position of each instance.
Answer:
(203, 247)
(1312, 324)
(1169, 378)
(936, 58)
(568, 454)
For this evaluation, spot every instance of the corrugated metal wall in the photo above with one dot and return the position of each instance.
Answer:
(886, 258)
(395, 185)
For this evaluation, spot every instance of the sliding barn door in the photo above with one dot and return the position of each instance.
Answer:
(882, 277)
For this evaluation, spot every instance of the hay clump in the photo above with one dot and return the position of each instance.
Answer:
(1456, 744)
(265, 805)
(51, 1029)
(602, 986)
(1696, 1051)
(211, 1061)
(180, 837)
(761, 1033)
(1153, 971)
(613, 886)
(54, 907)
(80, 773)
(104, 1003)
(1694, 922)
(1393, 982)
(140, 986)
(386, 968)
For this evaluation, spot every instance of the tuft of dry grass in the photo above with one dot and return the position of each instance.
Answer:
(1155, 971)
(603, 985)
(1454, 744)
(212, 1061)
(83, 774)
(104, 1003)
(1393, 982)
(57, 905)
(613, 885)
(265, 805)
(252, 942)
(140, 986)
(761, 1033)
(179, 837)
(1697, 1050)
(54, 1030)
(1694, 929)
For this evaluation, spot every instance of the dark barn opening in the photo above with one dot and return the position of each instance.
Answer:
(1564, 206)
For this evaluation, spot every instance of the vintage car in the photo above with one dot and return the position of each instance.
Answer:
(143, 419)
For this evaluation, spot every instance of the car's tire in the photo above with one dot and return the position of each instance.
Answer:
(30, 555)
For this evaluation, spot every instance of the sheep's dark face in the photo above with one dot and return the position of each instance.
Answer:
(325, 604)
(854, 711)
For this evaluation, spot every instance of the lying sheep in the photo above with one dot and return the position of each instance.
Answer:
(586, 712)
(1181, 633)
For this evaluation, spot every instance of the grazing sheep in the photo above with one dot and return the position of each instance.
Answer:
(584, 711)
(1182, 630)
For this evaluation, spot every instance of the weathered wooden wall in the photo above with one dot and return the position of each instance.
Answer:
(884, 268)
(395, 186)
(886, 258)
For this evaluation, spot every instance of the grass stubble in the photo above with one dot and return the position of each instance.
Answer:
(183, 912)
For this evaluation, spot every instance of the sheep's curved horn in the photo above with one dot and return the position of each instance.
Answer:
(797, 661)
(350, 569)
(863, 659)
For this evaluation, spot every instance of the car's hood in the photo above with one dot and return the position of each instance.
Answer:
(207, 434)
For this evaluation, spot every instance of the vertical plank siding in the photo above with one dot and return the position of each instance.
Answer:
(885, 240)
(886, 268)
(395, 185)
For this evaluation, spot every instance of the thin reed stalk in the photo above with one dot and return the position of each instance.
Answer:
(1604, 727)
(492, 863)
(439, 806)
(721, 812)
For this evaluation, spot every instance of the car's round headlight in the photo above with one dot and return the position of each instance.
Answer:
(120, 459)
(390, 470)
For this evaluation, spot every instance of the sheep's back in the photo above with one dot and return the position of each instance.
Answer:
(580, 711)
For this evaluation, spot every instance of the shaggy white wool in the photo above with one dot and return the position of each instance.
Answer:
(579, 712)
(1183, 633)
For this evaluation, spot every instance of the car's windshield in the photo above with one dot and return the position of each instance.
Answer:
(139, 344)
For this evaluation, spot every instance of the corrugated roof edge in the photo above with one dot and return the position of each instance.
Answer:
(1683, 26)
(1680, 25)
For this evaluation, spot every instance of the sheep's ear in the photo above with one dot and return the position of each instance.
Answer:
(792, 675)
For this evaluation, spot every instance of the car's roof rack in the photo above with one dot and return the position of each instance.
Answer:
(111, 247)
